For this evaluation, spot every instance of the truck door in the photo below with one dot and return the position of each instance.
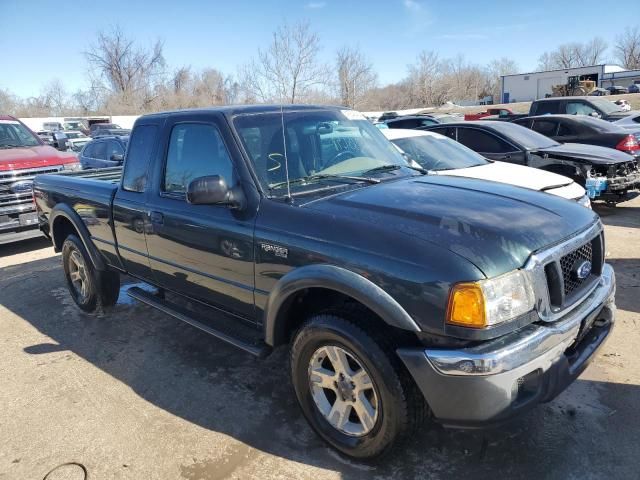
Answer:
(129, 207)
(202, 251)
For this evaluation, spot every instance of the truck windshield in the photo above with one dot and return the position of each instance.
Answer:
(13, 135)
(320, 144)
(437, 152)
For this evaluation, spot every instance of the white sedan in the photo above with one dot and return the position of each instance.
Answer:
(631, 121)
(442, 156)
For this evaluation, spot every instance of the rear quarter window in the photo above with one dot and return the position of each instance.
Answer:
(544, 108)
(141, 145)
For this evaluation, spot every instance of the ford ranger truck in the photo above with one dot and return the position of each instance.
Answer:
(22, 156)
(401, 295)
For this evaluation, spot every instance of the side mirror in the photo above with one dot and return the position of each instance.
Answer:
(213, 190)
(116, 157)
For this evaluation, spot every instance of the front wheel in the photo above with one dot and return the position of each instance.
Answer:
(352, 388)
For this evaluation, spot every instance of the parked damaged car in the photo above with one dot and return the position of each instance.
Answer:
(582, 129)
(616, 173)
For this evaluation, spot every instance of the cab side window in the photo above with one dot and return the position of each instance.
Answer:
(100, 151)
(195, 150)
(482, 141)
(579, 108)
(545, 127)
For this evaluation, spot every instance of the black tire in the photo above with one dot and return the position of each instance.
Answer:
(401, 408)
(101, 288)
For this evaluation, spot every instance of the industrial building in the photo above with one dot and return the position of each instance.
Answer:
(525, 87)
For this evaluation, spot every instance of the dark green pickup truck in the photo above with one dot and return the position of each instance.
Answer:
(401, 295)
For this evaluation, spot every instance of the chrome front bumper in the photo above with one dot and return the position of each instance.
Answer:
(498, 378)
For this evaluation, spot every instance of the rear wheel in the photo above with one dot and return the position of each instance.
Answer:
(352, 388)
(88, 287)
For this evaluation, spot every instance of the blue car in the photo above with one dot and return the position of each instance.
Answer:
(104, 152)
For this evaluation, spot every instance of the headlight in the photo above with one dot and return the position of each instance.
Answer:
(72, 166)
(584, 201)
(492, 301)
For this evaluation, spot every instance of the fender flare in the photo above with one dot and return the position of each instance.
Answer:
(62, 210)
(333, 278)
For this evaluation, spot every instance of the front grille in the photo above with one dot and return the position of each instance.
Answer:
(563, 284)
(569, 262)
(554, 272)
(13, 203)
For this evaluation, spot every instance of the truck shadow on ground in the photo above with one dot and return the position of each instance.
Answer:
(203, 381)
(621, 216)
(627, 283)
(24, 246)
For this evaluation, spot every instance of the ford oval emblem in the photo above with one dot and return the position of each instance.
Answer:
(21, 186)
(583, 270)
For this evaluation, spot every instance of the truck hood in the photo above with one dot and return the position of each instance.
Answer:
(494, 226)
(591, 153)
(521, 176)
(612, 117)
(33, 157)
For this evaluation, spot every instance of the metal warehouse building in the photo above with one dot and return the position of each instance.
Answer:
(525, 87)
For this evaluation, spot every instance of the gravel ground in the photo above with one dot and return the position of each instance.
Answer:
(133, 394)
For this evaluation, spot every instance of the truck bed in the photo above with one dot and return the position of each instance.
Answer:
(88, 194)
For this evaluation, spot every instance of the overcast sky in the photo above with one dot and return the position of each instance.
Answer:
(43, 40)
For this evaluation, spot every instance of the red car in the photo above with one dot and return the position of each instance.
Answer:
(22, 156)
(501, 112)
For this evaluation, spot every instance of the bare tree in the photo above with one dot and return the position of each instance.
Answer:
(288, 69)
(424, 79)
(356, 76)
(574, 54)
(627, 48)
(8, 102)
(494, 72)
(126, 70)
(56, 97)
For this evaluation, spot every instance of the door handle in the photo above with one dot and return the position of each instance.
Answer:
(506, 157)
(156, 217)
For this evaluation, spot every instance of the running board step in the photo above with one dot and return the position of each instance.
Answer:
(250, 345)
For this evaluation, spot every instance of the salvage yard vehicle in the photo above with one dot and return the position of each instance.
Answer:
(443, 156)
(104, 152)
(22, 156)
(412, 121)
(402, 295)
(630, 122)
(616, 172)
(593, 106)
(583, 129)
(500, 112)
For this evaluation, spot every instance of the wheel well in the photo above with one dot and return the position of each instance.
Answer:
(309, 301)
(62, 228)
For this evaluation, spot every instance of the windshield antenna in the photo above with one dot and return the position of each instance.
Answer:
(284, 143)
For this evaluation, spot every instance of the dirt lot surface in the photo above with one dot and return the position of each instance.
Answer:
(134, 394)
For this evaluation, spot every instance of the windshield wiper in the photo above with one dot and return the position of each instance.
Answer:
(391, 167)
(323, 176)
(9, 145)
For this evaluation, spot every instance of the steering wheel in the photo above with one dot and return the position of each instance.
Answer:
(344, 155)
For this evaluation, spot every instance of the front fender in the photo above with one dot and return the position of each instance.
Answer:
(63, 210)
(337, 279)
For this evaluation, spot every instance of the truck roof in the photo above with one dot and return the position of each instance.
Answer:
(237, 109)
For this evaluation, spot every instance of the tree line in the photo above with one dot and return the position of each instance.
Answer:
(127, 78)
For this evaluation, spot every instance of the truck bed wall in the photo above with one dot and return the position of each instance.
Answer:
(90, 195)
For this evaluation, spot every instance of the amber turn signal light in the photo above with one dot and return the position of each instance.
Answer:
(466, 306)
